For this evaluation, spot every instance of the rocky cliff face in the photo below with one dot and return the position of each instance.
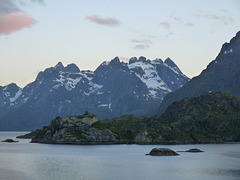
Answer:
(114, 88)
(222, 74)
(74, 130)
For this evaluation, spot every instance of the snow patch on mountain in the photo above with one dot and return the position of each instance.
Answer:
(150, 77)
(156, 61)
(174, 69)
(7, 94)
(106, 105)
(70, 83)
(226, 52)
(94, 88)
(66, 81)
(105, 63)
(17, 95)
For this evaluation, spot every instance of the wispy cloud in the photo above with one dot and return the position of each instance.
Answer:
(165, 24)
(190, 24)
(13, 18)
(145, 41)
(29, 2)
(103, 21)
(224, 18)
(178, 19)
(38, 1)
(181, 21)
(141, 44)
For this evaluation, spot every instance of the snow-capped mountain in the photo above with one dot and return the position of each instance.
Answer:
(114, 88)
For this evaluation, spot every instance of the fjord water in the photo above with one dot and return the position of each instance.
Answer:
(24, 160)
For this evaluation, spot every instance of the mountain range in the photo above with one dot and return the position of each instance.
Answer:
(222, 74)
(114, 88)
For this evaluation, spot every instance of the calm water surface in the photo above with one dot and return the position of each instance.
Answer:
(24, 161)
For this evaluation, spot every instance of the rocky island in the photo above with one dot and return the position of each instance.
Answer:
(209, 118)
(194, 150)
(162, 152)
(9, 141)
(74, 130)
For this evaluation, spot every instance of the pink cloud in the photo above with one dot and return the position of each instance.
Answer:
(165, 25)
(103, 21)
(223, 17)
(12, 22)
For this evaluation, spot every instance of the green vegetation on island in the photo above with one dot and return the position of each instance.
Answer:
(209, 118)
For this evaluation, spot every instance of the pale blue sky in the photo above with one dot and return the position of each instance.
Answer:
(89, 32)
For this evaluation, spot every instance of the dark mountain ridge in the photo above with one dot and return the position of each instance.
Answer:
(222, 74)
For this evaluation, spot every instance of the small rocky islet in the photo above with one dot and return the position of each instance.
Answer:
(194, 150)
(9, 141)
(162, 152)
(170, 152)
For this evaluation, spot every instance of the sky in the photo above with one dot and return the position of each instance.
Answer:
(37, 34)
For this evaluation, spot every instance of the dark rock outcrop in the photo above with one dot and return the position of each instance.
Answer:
(74, 130)
(162, 152)
(194, 150)
(9, 141)
(29, 135)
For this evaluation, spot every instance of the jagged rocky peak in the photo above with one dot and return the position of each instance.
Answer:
(59, 66)
(169, 62)
(54, 71)
(116, 60)
(142, 59)
(133, 60)
(11, 91)
(238, 34)
(72, 68)
(12, 86)
(116, 63)
(232, 46)
(157, 61)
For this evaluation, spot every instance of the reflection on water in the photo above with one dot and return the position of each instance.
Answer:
(212, 172)
(28, 161)
(231, 154)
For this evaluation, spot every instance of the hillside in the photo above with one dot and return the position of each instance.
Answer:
(210, 118)
(222, 74)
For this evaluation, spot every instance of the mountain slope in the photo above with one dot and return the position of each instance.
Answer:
(8, 95)
(222, 74)
(212, 115)
(114, 88)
